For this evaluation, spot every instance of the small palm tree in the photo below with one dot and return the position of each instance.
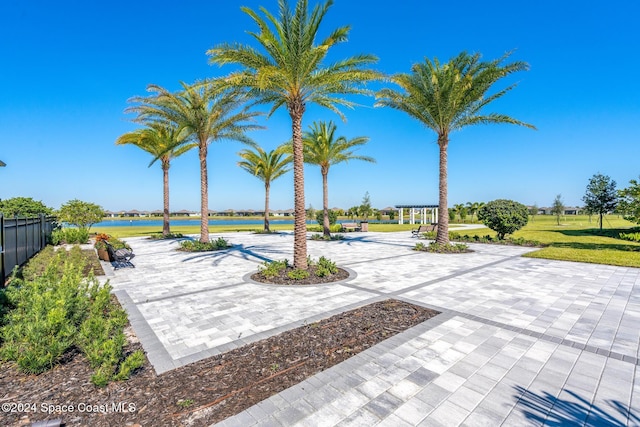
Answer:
(472, 208)
(267, 166)
(164, 142)
(323, 148)
(207, 113)
(449, 97)
(459, 208)
(290, 72)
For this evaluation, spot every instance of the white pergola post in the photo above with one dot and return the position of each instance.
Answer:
(400, 215)
(423, 216)
(412, 216)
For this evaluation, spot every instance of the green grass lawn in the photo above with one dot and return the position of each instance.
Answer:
(575, 239)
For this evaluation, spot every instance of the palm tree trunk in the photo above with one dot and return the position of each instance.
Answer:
(325, 203)
(296, 109)
(266, 206)
(443, 211)
(204, 193)
(165, 192)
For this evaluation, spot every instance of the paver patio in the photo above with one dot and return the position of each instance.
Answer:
(520, 341)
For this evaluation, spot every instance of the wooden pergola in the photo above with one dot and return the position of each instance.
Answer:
(421, 210)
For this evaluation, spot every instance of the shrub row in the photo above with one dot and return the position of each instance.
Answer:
(70, 236)
(440, 248)
(57, 310)
(457, 237)
(632, 237)
(322, 268)
(198, 246)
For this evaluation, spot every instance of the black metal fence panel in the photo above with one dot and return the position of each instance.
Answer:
(20, 239)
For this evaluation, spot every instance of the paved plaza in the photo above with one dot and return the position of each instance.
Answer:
(519, 341)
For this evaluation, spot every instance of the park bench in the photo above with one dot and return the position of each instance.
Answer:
(120, 257)
(346, 226)
(423, 229)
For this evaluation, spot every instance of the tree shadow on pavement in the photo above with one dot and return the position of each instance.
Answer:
(546, 409)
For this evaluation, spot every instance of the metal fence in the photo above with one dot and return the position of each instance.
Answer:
(20, 239)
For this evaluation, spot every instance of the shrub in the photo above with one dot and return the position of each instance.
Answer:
(325, 267)
(273, 268)
(633, 237)
(504, 216)
(81, 214)
(160, 236)
(198, 246)
(327, 238)
(44, 322)
(442, 248)
(23, 206)
(55, 309)
(298, 274)
(333, 217)
(69, 236)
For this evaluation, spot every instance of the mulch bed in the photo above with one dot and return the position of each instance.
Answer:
(283, 279)
(207, 391)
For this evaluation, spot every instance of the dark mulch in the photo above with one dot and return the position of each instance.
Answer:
(283, 279)
(93, 263)
(210, 390)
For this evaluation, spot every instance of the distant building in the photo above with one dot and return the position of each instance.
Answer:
(567, 211)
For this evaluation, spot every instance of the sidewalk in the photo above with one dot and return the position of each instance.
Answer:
(520, 341)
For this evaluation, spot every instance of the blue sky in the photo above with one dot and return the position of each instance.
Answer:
(68, 69)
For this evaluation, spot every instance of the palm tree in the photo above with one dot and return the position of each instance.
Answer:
(164, 142)
(207, 113)
(472, 207)
(267, 166)
(448, 97)
(323, 148)
(290, 72)
(458, 208)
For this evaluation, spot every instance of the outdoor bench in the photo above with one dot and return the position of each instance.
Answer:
(346, 226)
(423, 229)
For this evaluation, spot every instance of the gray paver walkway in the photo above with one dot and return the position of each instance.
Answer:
(520, 341)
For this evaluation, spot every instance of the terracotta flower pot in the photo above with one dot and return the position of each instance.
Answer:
(103, 254)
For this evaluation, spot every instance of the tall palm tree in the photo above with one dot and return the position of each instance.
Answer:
(290, 72)
(164, 142)
(448, 97)
(323, 148)
(207, 113)
(267, 166)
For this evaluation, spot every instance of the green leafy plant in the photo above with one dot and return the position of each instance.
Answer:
(633, 237)
(503, 216)
(629, 204)
(44, 322)
(273, 268)
(298, 274)
(327, 238)
(440, 248)
(184, 403)
(160, 236)
(81, 214)
(198, 246)
(55, 307)
(69, 236)
(333, 216)
(23, 206)
(325, 267)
